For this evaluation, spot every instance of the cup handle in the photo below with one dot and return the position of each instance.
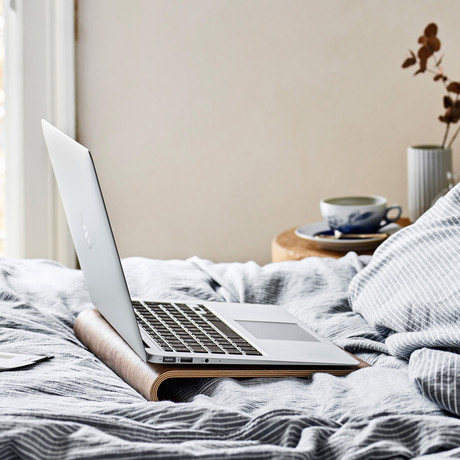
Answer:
(386, 219)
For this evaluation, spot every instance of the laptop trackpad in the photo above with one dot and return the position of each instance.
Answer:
(277, 331)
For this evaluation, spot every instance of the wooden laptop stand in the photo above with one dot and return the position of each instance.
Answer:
(146, 378)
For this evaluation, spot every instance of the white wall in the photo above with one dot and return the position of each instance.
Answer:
(217, 124)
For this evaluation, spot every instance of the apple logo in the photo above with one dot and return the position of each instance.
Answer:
(85, 232)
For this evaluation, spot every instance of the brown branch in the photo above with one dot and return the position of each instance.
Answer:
(454, 137)
(436, 63)
(445, 136)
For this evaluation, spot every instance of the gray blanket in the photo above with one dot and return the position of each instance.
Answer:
(73, 406)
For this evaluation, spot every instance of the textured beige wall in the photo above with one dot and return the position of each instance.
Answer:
(217, 124)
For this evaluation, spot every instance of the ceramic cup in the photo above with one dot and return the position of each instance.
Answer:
(358, 214)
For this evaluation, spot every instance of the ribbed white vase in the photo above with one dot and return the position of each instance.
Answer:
(427, 167)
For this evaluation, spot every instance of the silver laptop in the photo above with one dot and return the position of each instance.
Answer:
(169, 331)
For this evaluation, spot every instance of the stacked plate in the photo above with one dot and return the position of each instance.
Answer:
(319, 234)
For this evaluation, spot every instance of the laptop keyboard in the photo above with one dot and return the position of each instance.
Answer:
(185, 329)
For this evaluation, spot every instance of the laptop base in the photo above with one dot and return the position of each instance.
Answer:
(149, 379)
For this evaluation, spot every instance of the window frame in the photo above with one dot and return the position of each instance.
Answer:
(39, 83)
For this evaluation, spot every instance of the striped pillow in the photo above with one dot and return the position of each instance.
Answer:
(410, 291)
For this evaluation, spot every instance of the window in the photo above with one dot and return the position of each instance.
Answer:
(2, 134)
(39, 83)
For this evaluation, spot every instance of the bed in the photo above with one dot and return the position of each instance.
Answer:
(398, 310)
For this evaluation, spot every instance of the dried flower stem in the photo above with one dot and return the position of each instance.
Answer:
(436, 63)
(454, 137)
(430, 44)
(446, 133)
(445, 83)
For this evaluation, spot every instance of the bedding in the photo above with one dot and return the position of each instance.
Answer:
(410, 294)
(73, 406)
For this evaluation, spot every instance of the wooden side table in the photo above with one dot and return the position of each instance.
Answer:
(288, 246)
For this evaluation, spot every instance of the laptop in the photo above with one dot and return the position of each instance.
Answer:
(168, 330)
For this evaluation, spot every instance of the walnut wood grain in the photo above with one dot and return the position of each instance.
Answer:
(146, 378)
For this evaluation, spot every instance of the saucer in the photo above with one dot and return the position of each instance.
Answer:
(309, 231)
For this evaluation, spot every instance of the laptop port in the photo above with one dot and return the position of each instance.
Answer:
(186, 360)
(169, 359)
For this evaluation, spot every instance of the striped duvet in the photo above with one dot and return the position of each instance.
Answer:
(410, 294)
(74, 407)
